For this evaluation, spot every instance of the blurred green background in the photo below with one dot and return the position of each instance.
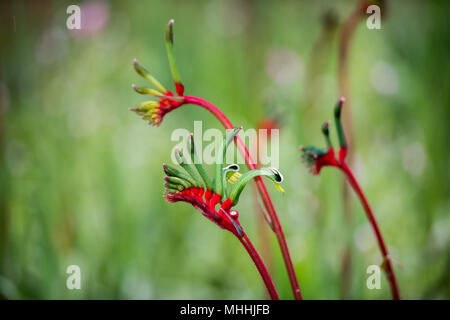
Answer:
(81, 176)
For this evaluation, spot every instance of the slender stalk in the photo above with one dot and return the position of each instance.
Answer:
(262, 230)
(260, 266)
(387, 261)
(261, 189)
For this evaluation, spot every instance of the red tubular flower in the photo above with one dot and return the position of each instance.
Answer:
(316, 159)
(224, 217)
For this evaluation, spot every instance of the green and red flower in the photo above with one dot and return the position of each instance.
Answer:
(154, 111)
(317, 158)
(214, 198)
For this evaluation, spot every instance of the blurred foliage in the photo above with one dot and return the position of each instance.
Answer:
(81, 176)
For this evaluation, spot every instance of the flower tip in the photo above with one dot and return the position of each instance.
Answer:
(169, 32)
(325, 126)
(337, 109)
(164, 165)
(232, 167)
(135, 61)
(191, 134)
(133, 86)
(278, 176)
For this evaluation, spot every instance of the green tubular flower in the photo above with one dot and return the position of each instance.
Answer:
(144, 73)
(240, 184)
(173, 66)
(145, 107)
(198, 165)
(170, 190)
(220, 158)
(189, 168)
(145, 90)
(326, 133)
(178, 181)
(172, 186)
(337, 119)
(173, 172)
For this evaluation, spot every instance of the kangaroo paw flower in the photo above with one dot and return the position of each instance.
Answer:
(167, 100)
(316, 158)
(154, 111)
(192, 185)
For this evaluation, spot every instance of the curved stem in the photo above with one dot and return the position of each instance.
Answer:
(261, 189)
(370, 215)
(260, 266)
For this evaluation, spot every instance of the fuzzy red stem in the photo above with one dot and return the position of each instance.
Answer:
(260, 266)
(261, 189)
(370, 215)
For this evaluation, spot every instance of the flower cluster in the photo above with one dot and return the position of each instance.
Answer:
(214, 198)
(154, 111)
(317, 158)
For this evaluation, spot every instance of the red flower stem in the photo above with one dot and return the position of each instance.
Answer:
(387, 261)
(261, 189)
(260, 266)
(261, 218)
